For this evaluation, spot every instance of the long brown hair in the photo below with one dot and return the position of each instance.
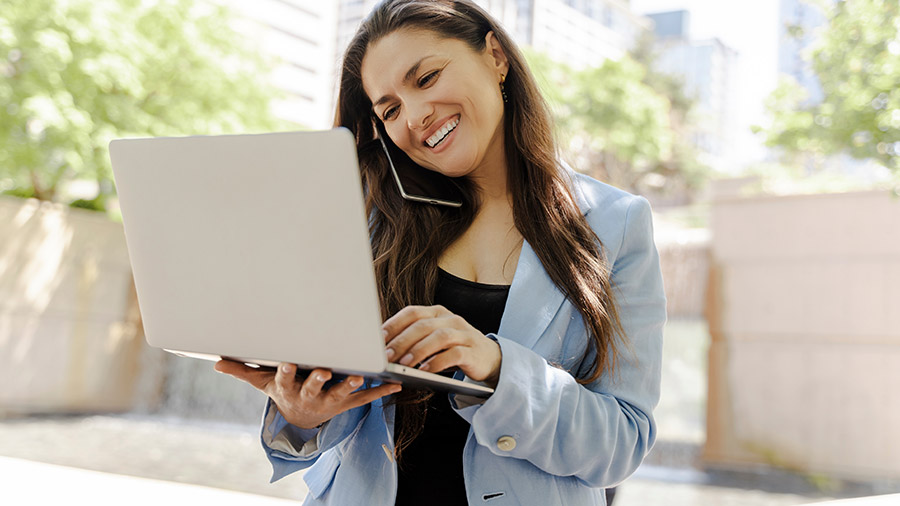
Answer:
(409, 237)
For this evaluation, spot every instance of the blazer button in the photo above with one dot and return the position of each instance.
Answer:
(506, 443)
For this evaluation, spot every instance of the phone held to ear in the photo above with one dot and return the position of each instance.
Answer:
(416, 183)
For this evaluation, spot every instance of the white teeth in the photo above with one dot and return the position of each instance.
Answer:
(448, 127)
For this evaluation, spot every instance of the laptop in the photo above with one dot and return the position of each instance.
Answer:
(255, 248)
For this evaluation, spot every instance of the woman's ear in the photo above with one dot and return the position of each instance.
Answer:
(497, 55)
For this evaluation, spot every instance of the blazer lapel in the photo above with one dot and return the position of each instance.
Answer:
(533, 301)
(533, 297)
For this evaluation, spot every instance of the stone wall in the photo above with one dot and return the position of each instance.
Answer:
(804, 314)
(70, 333)
(71, 339)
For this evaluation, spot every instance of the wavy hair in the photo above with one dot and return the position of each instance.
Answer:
(409, 237)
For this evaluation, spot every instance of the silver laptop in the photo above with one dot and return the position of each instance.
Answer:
(256, 248)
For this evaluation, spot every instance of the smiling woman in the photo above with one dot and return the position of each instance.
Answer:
(544, 284)
(434, 107)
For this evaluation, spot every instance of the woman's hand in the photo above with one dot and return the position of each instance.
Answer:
(436, 339)
(303, 402)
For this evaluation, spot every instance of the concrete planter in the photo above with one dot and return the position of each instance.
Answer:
(804, 314)
(70, 332)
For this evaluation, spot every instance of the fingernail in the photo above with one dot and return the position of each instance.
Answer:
(423, 367)
(286, 368)
(383, 332)
(355, 382)
(406, 359)
(396, 389)
(390, 353)
(319, 377)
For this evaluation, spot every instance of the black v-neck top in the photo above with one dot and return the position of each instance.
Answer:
(431, 470)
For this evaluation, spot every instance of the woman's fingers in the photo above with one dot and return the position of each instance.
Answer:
(368, 395)
(454, 357)
(438, 340)
(399, 349)
(306, 403)
(312, 386)
(232, 368)
(421, 334)
(399, 346)
(286, 379)
(338, 393)
(407, 316)
(259, 379)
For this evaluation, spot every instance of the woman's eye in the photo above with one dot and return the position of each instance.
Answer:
(388, 114)
(429, 77)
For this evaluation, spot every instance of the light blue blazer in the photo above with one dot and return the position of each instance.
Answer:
(541, 439)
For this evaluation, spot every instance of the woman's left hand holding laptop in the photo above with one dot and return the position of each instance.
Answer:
(304, 402)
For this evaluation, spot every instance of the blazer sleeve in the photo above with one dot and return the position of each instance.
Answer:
(291, 449)
(598, 432)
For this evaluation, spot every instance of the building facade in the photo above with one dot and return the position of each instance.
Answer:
(797, 25)
(580, 33)
(707, 68)
(309, 37)
(301, 36)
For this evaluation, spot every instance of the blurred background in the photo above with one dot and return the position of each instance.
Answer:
(765, 133)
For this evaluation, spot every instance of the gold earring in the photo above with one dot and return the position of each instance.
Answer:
(502, 90)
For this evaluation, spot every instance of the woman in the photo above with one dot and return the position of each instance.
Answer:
(544, 285)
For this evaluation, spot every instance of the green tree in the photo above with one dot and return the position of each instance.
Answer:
(857, 62)
(75, 74)
(613, 124)
(683, 170)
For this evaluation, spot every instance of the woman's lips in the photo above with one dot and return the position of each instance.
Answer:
(445, 143)
(441, 134)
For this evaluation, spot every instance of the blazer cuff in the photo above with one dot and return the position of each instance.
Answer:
(281, 436)
(524, 376)
(466, 405)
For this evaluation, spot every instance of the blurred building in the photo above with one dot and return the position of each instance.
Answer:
(577, 32)
(707, 68)
(672, 24)
(301, 35)
(350, 15)
(309, 38)
(798, 22)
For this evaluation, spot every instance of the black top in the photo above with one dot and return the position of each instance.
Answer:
(431, 470)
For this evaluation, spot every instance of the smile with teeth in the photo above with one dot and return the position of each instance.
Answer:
(442, 134)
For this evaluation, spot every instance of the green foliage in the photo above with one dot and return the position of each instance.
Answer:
(24, 192)
(615, 125)
(95, 204)
(619, 114)
(857, 62)
(683, 170)
(75, 74)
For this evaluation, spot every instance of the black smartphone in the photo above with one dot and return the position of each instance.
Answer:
(416, 183)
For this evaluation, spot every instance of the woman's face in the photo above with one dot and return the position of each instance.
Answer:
(439, 100)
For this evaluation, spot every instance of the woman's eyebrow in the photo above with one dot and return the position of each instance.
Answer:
(406, 78)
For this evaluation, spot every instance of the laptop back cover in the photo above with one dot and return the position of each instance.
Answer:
(252, 246)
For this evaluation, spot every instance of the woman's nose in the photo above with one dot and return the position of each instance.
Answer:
(419, 113)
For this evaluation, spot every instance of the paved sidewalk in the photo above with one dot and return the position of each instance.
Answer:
(227, 457)
(151, 460)
(27, 482)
